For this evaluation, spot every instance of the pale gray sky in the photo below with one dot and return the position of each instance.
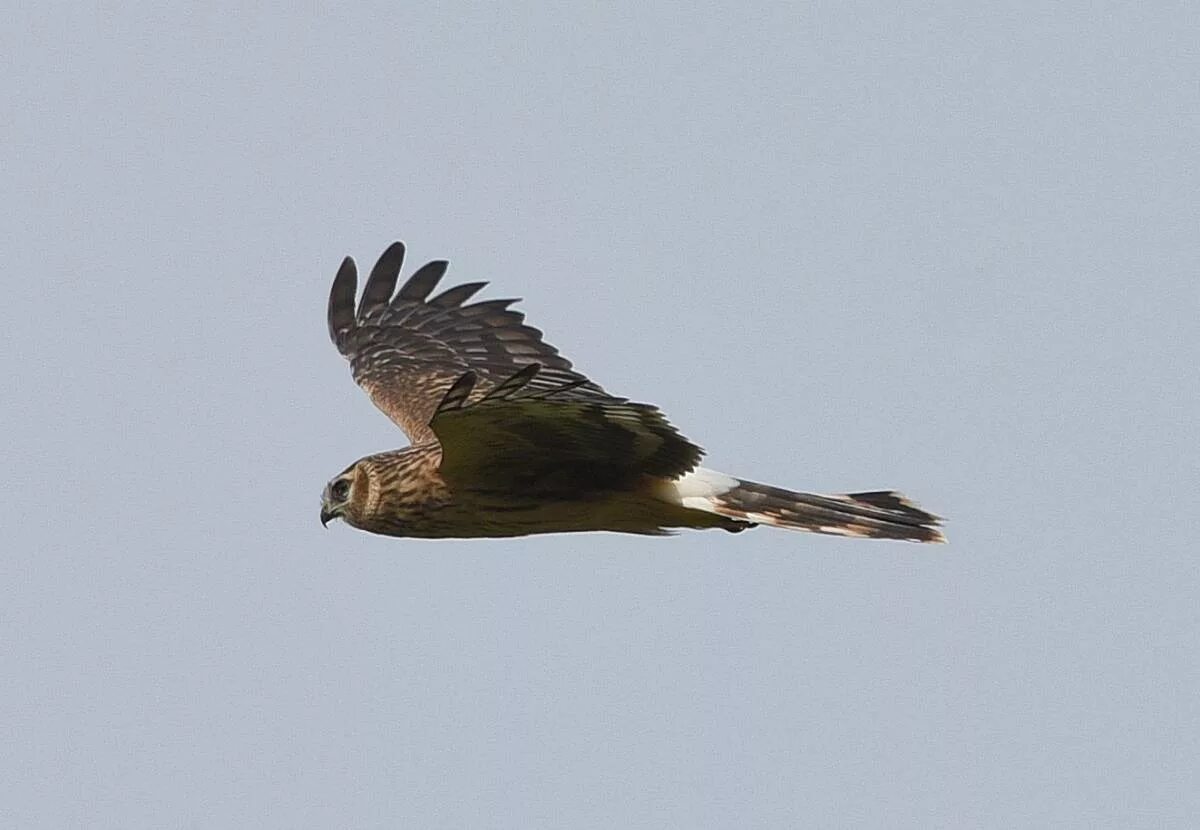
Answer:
(844, 245)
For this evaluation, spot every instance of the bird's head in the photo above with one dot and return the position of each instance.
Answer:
(393, 493)
(347, 494)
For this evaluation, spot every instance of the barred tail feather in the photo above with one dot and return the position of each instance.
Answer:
(881, 514)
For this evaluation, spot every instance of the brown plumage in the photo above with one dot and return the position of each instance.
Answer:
(508, 439)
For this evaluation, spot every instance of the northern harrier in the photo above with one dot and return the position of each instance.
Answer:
(509, 440)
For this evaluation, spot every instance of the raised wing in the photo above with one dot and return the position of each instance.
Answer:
(407, 348)
(524, 438)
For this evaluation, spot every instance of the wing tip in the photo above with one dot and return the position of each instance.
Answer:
(381, 283)
(341, 301)
(421, 283)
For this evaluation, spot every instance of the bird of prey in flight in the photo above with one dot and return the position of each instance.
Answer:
(507, 439)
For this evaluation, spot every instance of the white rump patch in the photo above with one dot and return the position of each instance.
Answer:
(695, 489)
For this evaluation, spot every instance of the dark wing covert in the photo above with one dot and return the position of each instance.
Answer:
(521, 438)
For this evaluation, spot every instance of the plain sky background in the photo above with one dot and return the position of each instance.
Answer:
(932, 246)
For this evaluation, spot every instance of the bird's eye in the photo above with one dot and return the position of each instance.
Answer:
(341, 489)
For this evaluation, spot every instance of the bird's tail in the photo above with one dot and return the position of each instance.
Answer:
(879, 514)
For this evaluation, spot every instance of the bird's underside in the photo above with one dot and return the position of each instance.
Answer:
(509, 440)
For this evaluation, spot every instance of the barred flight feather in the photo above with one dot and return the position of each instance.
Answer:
(881, 514)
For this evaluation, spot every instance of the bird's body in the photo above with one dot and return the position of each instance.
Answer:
(403, 493)
(509, 440)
